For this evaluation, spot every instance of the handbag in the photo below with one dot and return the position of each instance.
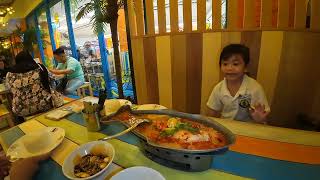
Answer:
(55, 96)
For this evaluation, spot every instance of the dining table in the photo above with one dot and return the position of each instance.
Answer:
(259, 152)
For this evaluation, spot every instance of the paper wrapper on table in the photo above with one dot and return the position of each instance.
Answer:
(57, 114)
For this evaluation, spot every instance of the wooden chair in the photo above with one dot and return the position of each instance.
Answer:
(5, 115)
(81, 91)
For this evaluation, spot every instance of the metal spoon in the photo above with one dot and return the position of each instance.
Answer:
(133, 124)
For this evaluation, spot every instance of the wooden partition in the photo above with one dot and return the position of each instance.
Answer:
(178, 69)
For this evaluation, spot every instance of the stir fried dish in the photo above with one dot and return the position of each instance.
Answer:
(90, 165)
(178, 133)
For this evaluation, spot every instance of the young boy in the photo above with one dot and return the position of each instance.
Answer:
(238, 96)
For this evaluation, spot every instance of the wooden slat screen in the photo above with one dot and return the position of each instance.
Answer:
(266, 13)
(315, 14)
(249, 14)
(187, 19)
(201, 13)
(150, 17)
(174, 15)
(161, 16)
(216, 14)
(241, 15)
(300, 14)
(132, 18)
(283, 13)
(139, 17)
(232, 14)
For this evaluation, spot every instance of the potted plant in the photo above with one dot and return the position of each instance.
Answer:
(27, 40)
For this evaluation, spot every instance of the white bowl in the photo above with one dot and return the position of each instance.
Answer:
(138, 173)
(36, 143)
(68, 165)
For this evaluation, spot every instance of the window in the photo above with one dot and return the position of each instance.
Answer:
(46, 43)
(224, 14)
(124, 57)
(87, 47)
(59, 26)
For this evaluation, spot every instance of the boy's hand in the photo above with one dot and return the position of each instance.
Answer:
(259, 114)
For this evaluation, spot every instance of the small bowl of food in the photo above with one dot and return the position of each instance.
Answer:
(88, 161)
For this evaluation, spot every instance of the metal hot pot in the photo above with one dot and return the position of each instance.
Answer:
(182, 159)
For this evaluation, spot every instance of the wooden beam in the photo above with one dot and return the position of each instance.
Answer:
(174, 16)
(163, 44)
(150, 17)
(266, 13)
(187, 15)
(201, 14)
(139, 17)
(232, 13)
(315, 15)
(132, 18)
(300, 14)
(269, 61)
(249, 14)
(216, 14)
(283, 13)
(161, 16)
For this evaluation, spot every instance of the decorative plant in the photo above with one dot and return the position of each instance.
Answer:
(28, 38)
(106, 12)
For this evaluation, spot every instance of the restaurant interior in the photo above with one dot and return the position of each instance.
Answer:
(149, 107)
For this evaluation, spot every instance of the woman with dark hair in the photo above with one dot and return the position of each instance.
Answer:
(29, 85)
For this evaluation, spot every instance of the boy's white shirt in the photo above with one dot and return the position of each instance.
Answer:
(221, 100)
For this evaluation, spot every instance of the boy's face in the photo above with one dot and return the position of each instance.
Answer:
(233, 68)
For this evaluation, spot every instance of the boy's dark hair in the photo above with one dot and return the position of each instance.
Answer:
(59, 51)
(233, 49)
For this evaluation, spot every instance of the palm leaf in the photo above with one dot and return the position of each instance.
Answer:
(98, 23)
(85, 10)
(97, 27)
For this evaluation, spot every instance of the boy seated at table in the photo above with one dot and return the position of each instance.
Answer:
(237, 96)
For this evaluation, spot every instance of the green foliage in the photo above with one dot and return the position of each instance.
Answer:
(28, 38)
(105, 11)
